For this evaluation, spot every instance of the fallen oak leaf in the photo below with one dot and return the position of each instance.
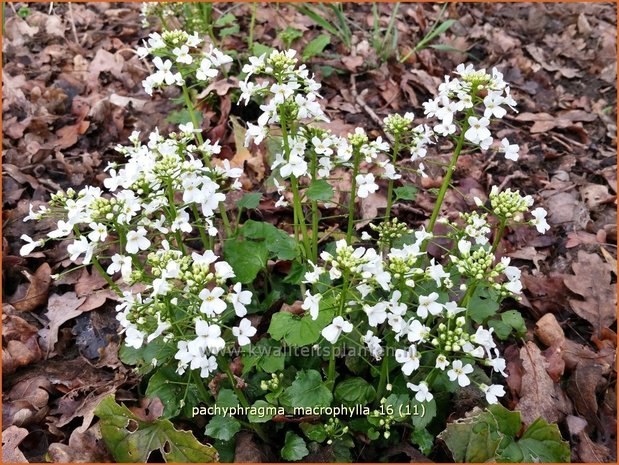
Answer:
(37, 292)
(60, 309)
(592, 281)
(11, 438)
(540, 396)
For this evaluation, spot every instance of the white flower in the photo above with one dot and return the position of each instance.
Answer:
(122, 264)
(510, 150)
(408, 358)
(239, 299)
(63, 229)
(223, 271)
(161, 327)
(207, 366)
(376, 313)
(441, 362)
(436, 272)
(373, 343)
(313, 276)
(136, 241)
(134, 337)
(332, 332)
(80, 246)
(212, 304)
(417, 331)
(209, 336)
(540, 222)
(243, 332)
(365, 185)
(478, 130)
(206, 70)
(459, 372)
(423, 391)
(492, 102)
(428, 304)
(30, 246)
(397, 307)
(492, 392)
(98, 233)
(312, 303)
(182, 55)
(498, 364)
(164, 73)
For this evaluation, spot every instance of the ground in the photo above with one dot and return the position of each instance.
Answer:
(72, 91)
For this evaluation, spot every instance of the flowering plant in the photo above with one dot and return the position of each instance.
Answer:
(376, 332)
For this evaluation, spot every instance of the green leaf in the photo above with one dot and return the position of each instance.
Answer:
(222, 428)
(514, 319)
(320, 190)
(482, 306)
(446, 48)
(296, 274)
(260, 49)
(307, 390)
(260, 406)
(542, 442)
(298, 331)
(227, 398)
(225, 20)
(294, 447)
(166, 385)
(422, 413)
(277, 241)
(405, 193)
(354, 391)
(314, 432)
(247, 258)
(228, 31)
(183, 117)
(132, 440)
(423, 439)
(316, 46)
(266, 355)
(490, 436)
(501, 330)
(249, 200)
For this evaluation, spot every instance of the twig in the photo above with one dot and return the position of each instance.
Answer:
(516, 175)
(77, 41)
(359, 100)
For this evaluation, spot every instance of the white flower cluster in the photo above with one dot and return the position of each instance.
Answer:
(480, 96)
(415, 303)
(411, 137)
(150, 204)
(195, 286)
(177, 58)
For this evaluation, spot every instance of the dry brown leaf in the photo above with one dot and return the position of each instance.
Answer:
(21, 347)
(60, 309)
(592, 281)
(83, 447)
(11, 438)
(37, 292)
(540, 395)
(582, 388)
(595, 195)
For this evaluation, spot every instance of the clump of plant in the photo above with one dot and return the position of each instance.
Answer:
(376, 334)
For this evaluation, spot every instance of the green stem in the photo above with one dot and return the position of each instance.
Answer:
(331, 370)
(205, 240)
(194, 119)
(241, 396)
(353, 194)
(382, 382)
(314, 169)
(107, 277)
(394, 156)
(498, 235)
(252, 23)
(300, 216)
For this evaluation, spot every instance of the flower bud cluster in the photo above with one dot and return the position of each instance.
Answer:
(273, 383)
(509, 204)
(389, 231)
